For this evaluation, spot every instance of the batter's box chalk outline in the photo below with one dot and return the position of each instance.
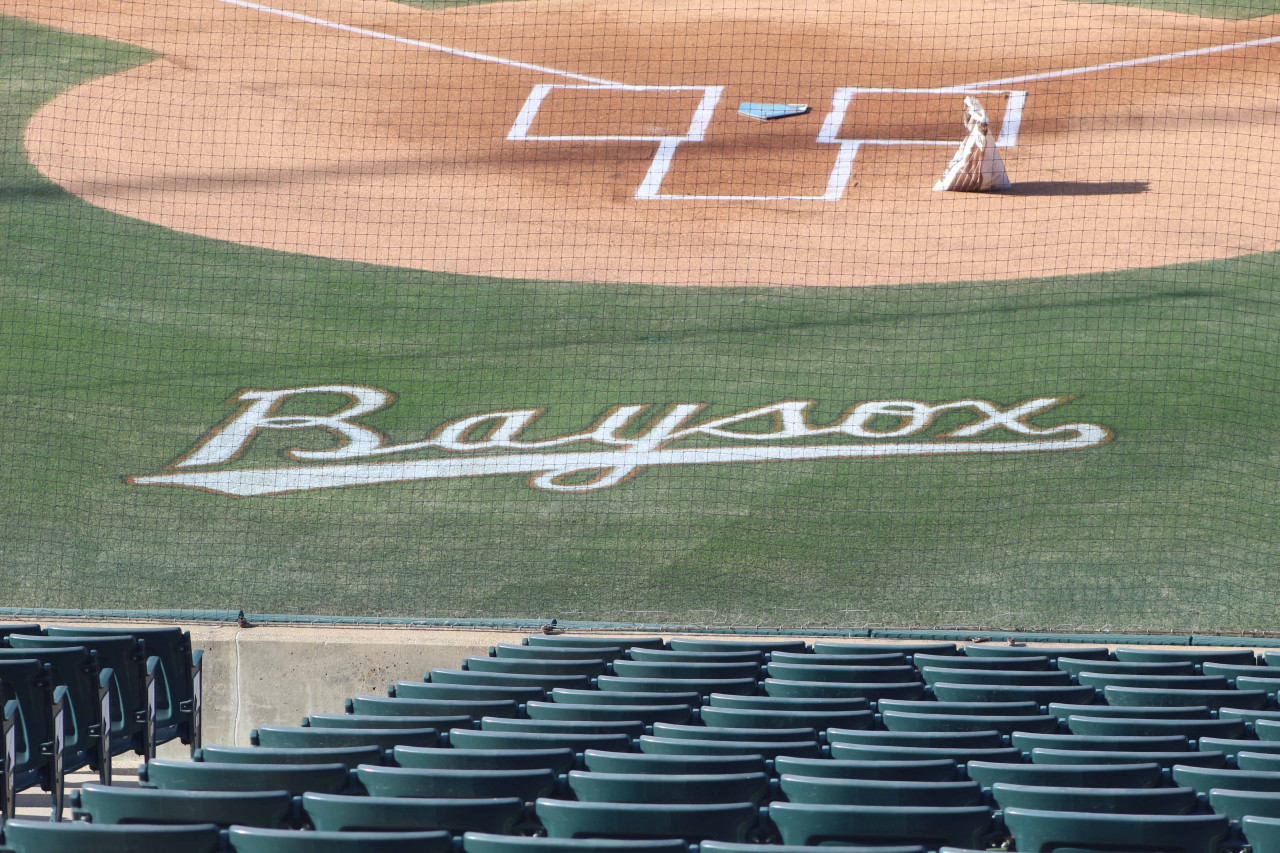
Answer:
(650, 188)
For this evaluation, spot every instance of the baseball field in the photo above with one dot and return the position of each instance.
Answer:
(503, 310)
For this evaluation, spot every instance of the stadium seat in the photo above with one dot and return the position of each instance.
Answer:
(1040, 694)
(1232, 746)
(623, 697)
(467, 677)
(537, 667)
(787, 703)
(729, 847)
(1146, 801)
(1159, 682)
(1027, 741)
(1039, 831)
(19, 628)
(33, 711)
(593, 786)
(600, 761)
(470, 783)
(933, 674)
(933, 707)
(879, 792)
(384, 721)
(1144, 726)
(464, 692)
(401, 706)
(1204, 779)
(476, 842)
(340, 813)
(1199, 758)
(351, 756)
(29, 836)
(1025, 662)
(843, 690)
(1134, 775)
(1247, 760)
(900, 721)
(685, 670)
(605, 713)
(931, 827)
(772, 735)
(881, 659)
(1267, 729)
(927, 770)
(767, 749)
(988, 739)
(843, 674)
(471, 739)
(1263, 834)
(961, 755)
(691, 822)
(830, 648)
(690, 644)
(700, 686)
(1075, 666)
(560, 759)
(1253, 682)
(306, 736)
(1232, 671)
(207, 776)
(784, 718)
(108, 804)
(755, 656)
(606, 653)
(243, 839)
(1195, 655)
(997, 650)
(1064, 710)
(629, 727)
(560, 640)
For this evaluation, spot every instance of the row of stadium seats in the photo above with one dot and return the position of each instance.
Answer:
(492, 760)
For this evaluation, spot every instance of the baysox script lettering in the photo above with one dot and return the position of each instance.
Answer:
(335, 449)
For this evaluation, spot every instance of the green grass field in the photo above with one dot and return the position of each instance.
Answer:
(122, 340)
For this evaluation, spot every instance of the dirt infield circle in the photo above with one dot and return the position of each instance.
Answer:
(579, 140)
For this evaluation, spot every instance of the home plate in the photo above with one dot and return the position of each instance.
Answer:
(769, 112)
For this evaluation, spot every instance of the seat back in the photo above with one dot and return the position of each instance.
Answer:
(929, 826)
(601, 761)
(244, 839)
(526, 785)
(1133, 775)
(114, 804)
(339, 813)
(693, 823)
(925, 770)
(1146, 801)
(207, 776)
(348, 755)
(33, 743)
(76, 669)
(476, 842)
(558, 759)
(1039, 830)
(29, 836)
(880, 792)
(306, 736)
(592, 786)
(404, 707)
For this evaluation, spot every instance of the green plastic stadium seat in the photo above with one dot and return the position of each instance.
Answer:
(243, 839)
(591, 786)
(1200, 758)
(802, 823)
(1233, 746)
(1027, 741)
(1267, 729)
(384, 721)
(577, 640)
(882, 659)
(1146, 801)
(609, 713)
(1075, 666)
(691, 822)
(1249, 682)
(623, 697)
(470, 739)
(339, 813)
(829, 648)
(107, 804)
(690, 644)
(30, 628)
(844, 674)
(546, 681)
(600, 761)
(985, 709)
(1138, 726)
(1263, 834)
(1040, 831)
(879, 792)
(1232, 671)
(29, 836)
(685, 670)
(700, 686)
(558, 760)
(206, 776)
(767, 749)
(1247, 760)
(727, 847)
(783, 718)
(1135, 775)
(606, 653)
(1063, 711)
(900, 721)
(933, 674)
(961, 755)
(463, 692)
(351, 756)
(927, 770)
(34, 710)
(476, 842)
(755, 656)
(996, 650)
(668, 730)
(989, 739)
(1040, 694)
(629, 727)
(1024, 662)
(526, 785)
(1159, 682)
(843, 690)
(306, 736)
(1204, 779)
(787, 703)
(537, 667)
(475, 708)
(1195, 655)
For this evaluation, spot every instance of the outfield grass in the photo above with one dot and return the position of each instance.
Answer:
(1230, 9)
(122, 340)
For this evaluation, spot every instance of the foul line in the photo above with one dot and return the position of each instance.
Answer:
(453, 51)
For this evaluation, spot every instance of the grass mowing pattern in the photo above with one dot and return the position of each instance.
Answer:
(1229, 9)
(122, 340)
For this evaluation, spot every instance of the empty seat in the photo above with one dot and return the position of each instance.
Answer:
(933, 707)
(962, 739)
(1232, 746)
(105, 804)
(1247, 760)
(600, 761)
(1040, 694)
(689, 644)
(338, 813)
(599, 713)
(1204, 779)
(926, 770)
(1137, 726)
(1075, 666)
(1134, 775)
(559, 760)
(306, 736)
(625, 697)
(1263, 834)
(1147, 801)
(783, 718)
(1164, 759)
(576, 640)
(348, 755)
(243, 839)
(848, 674)
(996, 650)
(669, 730)
(1254, 682)
(934, 674)
(206, 776)
(900, 721)
(962, 755)
(30, 836)
(476, 842)
(464, 692)
(686, 669)
(1063, 710)
(1040, 831)
(537, 667)
(588, 652)
(696, 822)
(1267, 729)
(881, 659)
(1159, 682)
(407, 707)
(789, 703)
(729, 847)
(384, 721)
(1232, 671)
(802, 823)
(628, 727)
(1027, 662)
(843, 690)
(675, 656)
(1027, 741)
(1195, 655)
(831, 648)
(592, 786)
(879, 792)
(527, 785)
(544, 681)
(471, 739)
(768, 749)
(700, 686)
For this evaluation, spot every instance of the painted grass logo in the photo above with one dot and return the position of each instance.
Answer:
(621, 443)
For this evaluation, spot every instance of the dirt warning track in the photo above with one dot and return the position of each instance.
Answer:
(578, 140)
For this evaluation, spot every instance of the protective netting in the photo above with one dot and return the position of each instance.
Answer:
(643, 311)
